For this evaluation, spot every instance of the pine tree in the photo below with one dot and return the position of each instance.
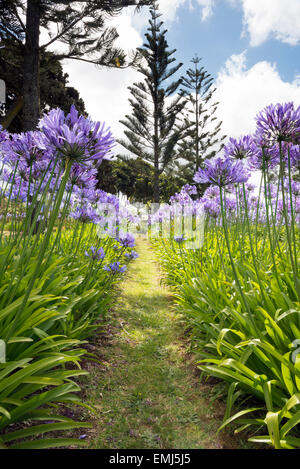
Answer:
(81, 26)
(153, 129)
(202, 141)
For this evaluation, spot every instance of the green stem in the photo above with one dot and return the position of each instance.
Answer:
(44, 245)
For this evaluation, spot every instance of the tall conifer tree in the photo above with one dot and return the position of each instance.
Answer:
(153, 129)
(203, 138)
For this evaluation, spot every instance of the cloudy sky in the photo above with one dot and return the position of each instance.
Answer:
(250, 47)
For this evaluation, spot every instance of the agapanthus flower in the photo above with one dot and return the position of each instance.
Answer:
(26, 149)
(250, 187)
(85, 215)
(94, 254)
(75, 137)
(131, 255)
(264, 156)
(179, 239)
(182, 198)
(295, 156)
(211, 192)
(189, 189)
(83, 177)
(127, 240)
(221, 172)
(279, 123)
(115, 268)
(3, 134)
(295, 185)
(240, 149)
(231, 205)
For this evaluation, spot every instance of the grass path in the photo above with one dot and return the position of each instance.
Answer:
(148, 393)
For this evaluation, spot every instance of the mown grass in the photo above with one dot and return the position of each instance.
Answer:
(148, 393)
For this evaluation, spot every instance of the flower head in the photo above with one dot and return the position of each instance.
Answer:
(115, 268)
(85, 215)
(179, 239)
(280, 122)
(221, 172)
(127, 240)
(95, 255)
(131, 255)
(76, 137)
(240, 148)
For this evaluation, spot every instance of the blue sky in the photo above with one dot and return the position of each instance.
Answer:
(218, 37)
(250, 47)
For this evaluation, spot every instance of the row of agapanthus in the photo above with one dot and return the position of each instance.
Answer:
(59, 260)
(241, 291)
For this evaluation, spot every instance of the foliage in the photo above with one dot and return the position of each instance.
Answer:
(240, 290)
(134, 178)
(54, 89)
(81, 28)
(202, 141)
(57, 264)
(153, 129)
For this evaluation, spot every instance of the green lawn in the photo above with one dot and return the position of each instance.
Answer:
(148, 394)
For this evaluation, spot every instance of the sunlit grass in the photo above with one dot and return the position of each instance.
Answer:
(149, 396)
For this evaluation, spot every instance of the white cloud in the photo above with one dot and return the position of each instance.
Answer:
(243, 92)
(272, 18)
(207, 8)
(169, 8)
(103, 90)
(262, 19)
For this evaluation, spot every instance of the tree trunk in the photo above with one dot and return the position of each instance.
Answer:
(31, 109)
(156, 194)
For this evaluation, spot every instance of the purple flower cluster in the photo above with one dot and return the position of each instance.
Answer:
(127, 240)
(85, 214)
(131, 255)
(115, 268)
(277, 134)
(241, 148)
(32, 160)
(95, 255)
(221, 172)
(75, 137)
(179, 239)
(280, 122)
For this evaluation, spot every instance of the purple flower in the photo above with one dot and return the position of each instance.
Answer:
(3, 133)
(83, 177)
(295, 156)
(264, 155)
(279, 123)
(127, 240)
(76, 137)
(115, 268)
(131, 255)
(95, 255)
(221, 172)
(26, 148)
(85, 215)
(212, 208)
(179, 239)
(295, 188)
(240, 149)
